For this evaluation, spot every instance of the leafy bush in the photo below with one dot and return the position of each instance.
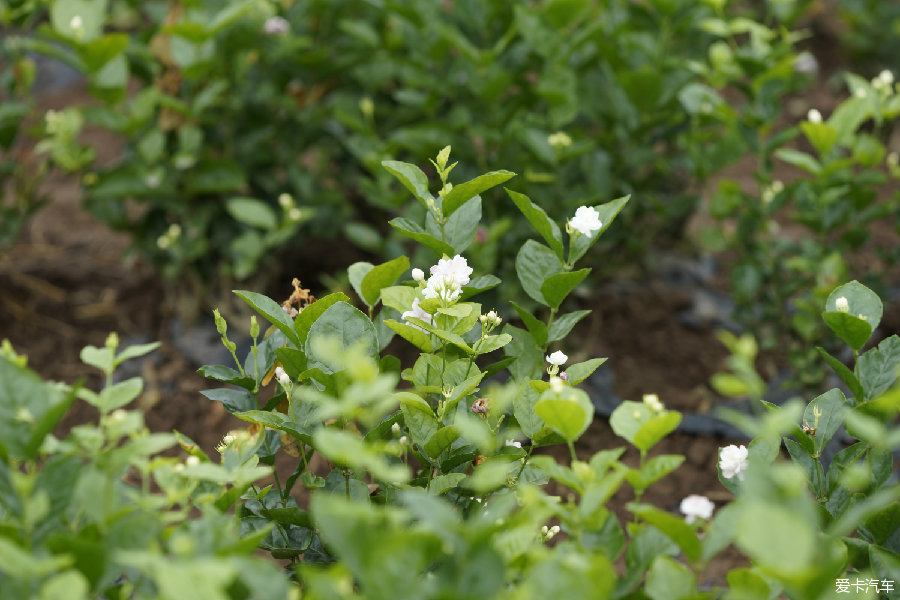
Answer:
(232, 106)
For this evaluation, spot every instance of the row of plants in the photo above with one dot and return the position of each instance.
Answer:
(429, 480)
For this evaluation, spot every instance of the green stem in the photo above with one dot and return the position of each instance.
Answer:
(572, 451)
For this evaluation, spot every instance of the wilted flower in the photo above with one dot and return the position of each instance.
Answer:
(418, 313)
(842, 305)
(480, 406)
(814, 116)
(557, 358)
(696, 507)
(733, 461)
(586, 220)
(276, 26)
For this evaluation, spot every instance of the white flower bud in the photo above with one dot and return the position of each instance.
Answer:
(696, 507)
(557, 385)
(192, 461)
(513, 443)
(283, 378)
(886, 77)
(557, 358)
(395, 429)
(285, 200)
(652, 400)
(418, 274)
(814, 116)
(842, 305)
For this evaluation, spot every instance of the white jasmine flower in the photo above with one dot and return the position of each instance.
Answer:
(814, 116)
(557, 358)
(886, 77)
(586, 220)
(696, 507)
(276, 26)
(841, 304)
(395, 429)
(192, 461)
(733, 461)
(283, 378)
(806, 63)
(447, 278)
(652, 400)
(418, 313)
(418, 274)
(514, 443)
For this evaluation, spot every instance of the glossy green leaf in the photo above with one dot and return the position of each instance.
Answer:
(349, 327)
(415, 232)
(380, 277)
(556, 287)
(668, 579)
(411, 334)
(463, 192)
(561, 327)
(878, 368)
(534, 264)
(569, 415)
(673, 527)
(581, 371)
(844, 373)
(545, 226)
(536, 327)
(253, 212)
(311, 313)
(272, 312)
(412, 178)
(419, 418)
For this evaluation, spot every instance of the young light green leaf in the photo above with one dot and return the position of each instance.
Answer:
(463, 192)
(491, 343)
(544, 225)
(119, 394)
(355, 274)
(253, 212)
(668, 579)
(673, 527)
(412, 178)
(854, 331)
(581, 371)
(569, 415)
(135, 351)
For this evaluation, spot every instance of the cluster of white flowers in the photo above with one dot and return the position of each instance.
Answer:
(770, 191)
(548, 533)
(586, 220)
(883, 81)
(169, 237)
(447, 278)
(696, 507)
(652, 401)
(733, 461)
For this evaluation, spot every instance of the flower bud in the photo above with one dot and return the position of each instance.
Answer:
(395, 429)
(283, 378)
(842, 305)
(254, 327)
(418, 274)
(192, 461)
(286, 201)
(814, 116)
(221, 325)
(557, 385)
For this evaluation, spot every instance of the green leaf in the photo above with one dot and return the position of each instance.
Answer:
(234, 401)
(355, 273)
(461, 390)
(440, 484)
(440, 441)
(311, 313)
(463, 192)
(415, 232)
(556, 287)
(669, 580)
(349, 327)
(344, 448)
(581, 371)
(293, 360)
(861, 301)
(844, 373)
(272, 312)
(64, 17)
(786, 545)
(747, 584)
(101, 358)
(399, 297)
(544, 225)
(534, 264)
(412, 178)
(570, 415)
(524, 410)
(419, 418)
(536, 327)
(119, 394)
(478, 285)
(832, 405)
(253, 212)
(608, 212)
(461, 227)
(134, 352)
(380, 277)
(561, 327)
(100, 51)
(411, 334)
(653, 470)
(854, 331)
(642, 426)
(492, 342)
(447, 336)
(29, 409)
(799, 159)
(673, 527)
(721, 531)
(878, 368)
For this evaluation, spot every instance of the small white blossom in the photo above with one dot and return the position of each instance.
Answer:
(841, 304)
(886, 77)
(192, 461)
(557, 358)
(447, 278)
(285, 200)
(77, 23)
(586, 220)
(283, 378)
(652, 400)
(514, 443)
(696, 507)
(418, 274)
(733, 461)
(860, 93)
(418, 313)
(806, 63)
(814, 116)
(276, 26)
(395, 429)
